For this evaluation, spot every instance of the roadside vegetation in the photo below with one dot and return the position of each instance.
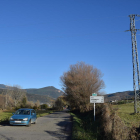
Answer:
(78, 84)
(113, 122)
(126, 113)
(108, 125)
(84, 126)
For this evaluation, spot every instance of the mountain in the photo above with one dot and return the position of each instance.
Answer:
(3, 86)
(41, 98)
(50, 91)
(119, 96)
(45, 94)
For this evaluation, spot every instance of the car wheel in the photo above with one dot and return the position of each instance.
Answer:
(29, 124)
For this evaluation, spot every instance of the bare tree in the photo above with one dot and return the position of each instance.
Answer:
(8, 92)
(17, 94)
(79, 83)
(37, 104)
(2, 100)
(30, 104)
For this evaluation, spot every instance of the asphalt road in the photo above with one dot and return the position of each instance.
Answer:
(56, 126)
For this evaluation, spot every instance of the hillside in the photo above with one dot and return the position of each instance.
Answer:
(119, 96)
(44, 94)
(41, 98)
(2, 86)
(49, 91)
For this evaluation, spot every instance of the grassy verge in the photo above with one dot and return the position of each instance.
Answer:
(126, 113)
(41, 113)
(84, 126)
(5, 115)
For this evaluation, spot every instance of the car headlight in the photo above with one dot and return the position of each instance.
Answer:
(25, 119)
(11, 119)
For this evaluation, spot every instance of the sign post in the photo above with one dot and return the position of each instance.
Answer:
(96, 99)
(94, 111)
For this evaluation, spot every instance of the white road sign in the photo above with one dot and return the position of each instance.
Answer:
(96, 99)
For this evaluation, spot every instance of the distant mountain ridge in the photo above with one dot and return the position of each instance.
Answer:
(50, 91)
(44, 94)
(3, 86)
(119, 96)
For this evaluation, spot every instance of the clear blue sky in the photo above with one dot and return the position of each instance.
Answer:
(40, 39)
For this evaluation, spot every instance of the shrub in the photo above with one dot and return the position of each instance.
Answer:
(113, 128)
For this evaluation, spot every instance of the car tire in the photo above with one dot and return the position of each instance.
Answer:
(29, 124)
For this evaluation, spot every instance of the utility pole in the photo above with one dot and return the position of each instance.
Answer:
(136, 76)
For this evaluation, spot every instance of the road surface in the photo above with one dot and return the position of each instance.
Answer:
(56, 126)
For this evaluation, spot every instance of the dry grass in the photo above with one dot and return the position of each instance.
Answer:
(114, 127)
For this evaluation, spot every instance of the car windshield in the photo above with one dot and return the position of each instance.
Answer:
(22, 112)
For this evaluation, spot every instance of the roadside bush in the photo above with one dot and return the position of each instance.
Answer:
(84, 127)
(35, 107)
(44, 106)
(122, 102)
(113, 128)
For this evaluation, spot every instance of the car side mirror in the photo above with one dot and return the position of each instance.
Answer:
(33, 113)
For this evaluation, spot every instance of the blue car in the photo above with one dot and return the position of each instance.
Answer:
(23, 116)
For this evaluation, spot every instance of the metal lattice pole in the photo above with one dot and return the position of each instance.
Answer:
(136, 78)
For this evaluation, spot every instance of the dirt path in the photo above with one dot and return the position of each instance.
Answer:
(56, 126)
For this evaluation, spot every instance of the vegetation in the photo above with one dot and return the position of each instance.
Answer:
(41, 98)
(126, 113)
(12, 97)
(5, 114)
(79, 83)
(44, 106)
(41, 113)
(108, 125)
(84, 126)
(60, 103)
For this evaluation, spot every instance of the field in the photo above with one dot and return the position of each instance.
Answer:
(126, 113)
(5, 114)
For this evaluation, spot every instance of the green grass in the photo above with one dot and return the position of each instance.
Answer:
(5, 114)
(84, 126)
(41, 113)
(126, 113)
